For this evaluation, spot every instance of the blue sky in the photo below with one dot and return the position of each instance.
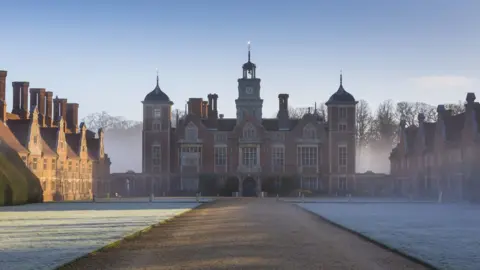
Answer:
(104, 54)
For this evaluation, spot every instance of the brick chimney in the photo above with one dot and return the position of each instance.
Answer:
(3, 103)
(195, 106)
(37, 98)
(60, 109)
(48, 108)
(20, 98)
(205, 109)
(24, 101)
(72, 117)
(3, 82)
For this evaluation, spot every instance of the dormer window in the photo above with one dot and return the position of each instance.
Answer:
(309, 132)
(249, 132)
(191, 132)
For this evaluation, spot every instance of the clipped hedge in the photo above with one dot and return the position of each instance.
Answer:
(25, 186)
(10, 176)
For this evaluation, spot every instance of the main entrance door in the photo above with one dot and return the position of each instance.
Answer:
(249, 187)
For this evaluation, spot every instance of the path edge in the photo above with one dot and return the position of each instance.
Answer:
(369, 239)
(131, 236)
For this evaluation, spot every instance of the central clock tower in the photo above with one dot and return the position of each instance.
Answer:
(249, 101)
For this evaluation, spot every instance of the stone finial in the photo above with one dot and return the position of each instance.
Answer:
(403, 123)
(421, 117)
(470, 97)
(440, 108)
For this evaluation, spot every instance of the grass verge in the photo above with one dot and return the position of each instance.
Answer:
(371, 240)
(129, 237)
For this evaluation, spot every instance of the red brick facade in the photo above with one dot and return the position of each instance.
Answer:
(440, 157)
(68, 160)
(247, 150)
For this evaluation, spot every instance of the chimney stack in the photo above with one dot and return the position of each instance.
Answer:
(3, 103)
(37, 98)
(20, 98)
(72, 117)
(210, 103)
(48, 108)
(24, 101)
(3, 81)
(60, 109)
(195, 106)
(204, 109)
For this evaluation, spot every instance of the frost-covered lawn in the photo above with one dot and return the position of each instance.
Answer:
(444, 235)
(45, 236)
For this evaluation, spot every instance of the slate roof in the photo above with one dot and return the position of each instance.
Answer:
(93, 147)
(20, 128)
(8, 138)
(49, 134)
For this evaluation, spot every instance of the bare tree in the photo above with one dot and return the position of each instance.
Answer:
(181, 114)
(409, 111)
(106, 121)
(364, 122)
(297, 113)
(456, 108)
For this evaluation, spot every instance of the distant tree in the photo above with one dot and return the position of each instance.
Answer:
(364, 122)
(106, 121)
(456, 107)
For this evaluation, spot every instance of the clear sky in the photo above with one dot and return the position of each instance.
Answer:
(104, 54)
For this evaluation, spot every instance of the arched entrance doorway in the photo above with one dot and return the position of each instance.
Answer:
(249, 186)
(7, 195)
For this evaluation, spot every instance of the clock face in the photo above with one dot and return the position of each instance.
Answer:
(249, 90)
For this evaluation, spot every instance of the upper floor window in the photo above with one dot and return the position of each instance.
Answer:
(45, 164)
(53, 165)
(342, 113)
(34, 163)
(157, 113)
(249, 131)
(342, 127)
(342, 156)
(156, 155)
(35, 139)
(249, 157)
(191, 132)
(309, 132)
(156, 125)
(307, 156)
(278, 156)
(220, 156)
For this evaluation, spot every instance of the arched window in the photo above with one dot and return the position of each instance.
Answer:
(191, 132)
(249, 131)
(309, 132)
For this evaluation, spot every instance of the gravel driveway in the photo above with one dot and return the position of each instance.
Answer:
(246, 233)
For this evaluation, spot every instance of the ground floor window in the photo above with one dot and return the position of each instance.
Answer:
(309, 182)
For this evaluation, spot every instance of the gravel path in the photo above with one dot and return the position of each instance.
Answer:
(244, 233)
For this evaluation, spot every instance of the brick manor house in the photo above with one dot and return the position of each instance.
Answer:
(67, 158)
(246, 154)
(440, 157)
